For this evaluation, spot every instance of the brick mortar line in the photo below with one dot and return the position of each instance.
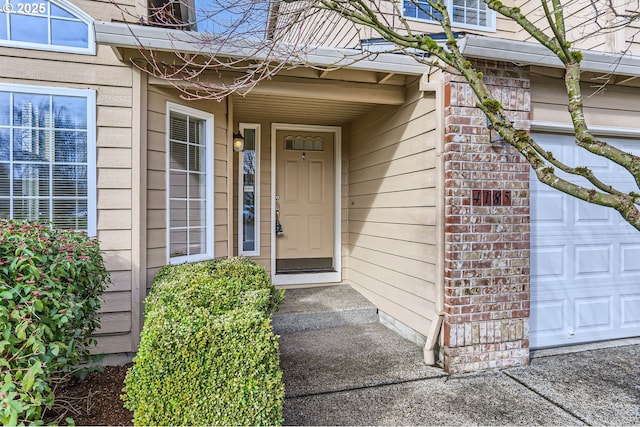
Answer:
(556, 404)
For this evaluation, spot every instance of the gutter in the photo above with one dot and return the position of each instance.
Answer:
(530, 53)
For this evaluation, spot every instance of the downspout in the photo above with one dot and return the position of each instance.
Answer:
(436, 86)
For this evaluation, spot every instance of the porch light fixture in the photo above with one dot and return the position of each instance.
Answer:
(238, 142)
(498, 142)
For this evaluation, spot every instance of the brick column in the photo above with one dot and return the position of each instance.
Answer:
(486, 322)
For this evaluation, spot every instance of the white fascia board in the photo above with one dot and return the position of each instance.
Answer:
(530, 53)
(154, 38)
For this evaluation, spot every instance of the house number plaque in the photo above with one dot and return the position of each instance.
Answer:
(491, 197)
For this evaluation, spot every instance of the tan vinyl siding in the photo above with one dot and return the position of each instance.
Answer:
(327, 29)
(112, 82)
(391, 209)
(616, 106)
(582, 28)
(118, 10)
(156, 175)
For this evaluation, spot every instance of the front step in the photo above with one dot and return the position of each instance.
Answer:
(323, 307)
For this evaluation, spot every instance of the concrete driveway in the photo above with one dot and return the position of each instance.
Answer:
(341, 367)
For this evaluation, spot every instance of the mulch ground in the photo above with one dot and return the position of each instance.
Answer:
(93, 401)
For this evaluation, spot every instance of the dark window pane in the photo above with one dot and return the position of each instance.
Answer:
(197, 213)
(29, 28)
(5, 211)
(70, 181)
(70, 112)
(178, 246)
(410, 10)
(178, 213)
(5, 170)
(5, 108)
(70, 146)
(69, 33)
(29, 109)
(196, 158)
(178, 185)
(71, 214)
(4, 145)
(196, 186)
(33, 209)
(196, 131)
(196, 241)
(178, 127)
(178, 156)
(249, 139)
(30, 180)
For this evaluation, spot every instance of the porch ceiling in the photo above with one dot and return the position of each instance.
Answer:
(256, 107)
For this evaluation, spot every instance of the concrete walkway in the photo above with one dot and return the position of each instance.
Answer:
(342, 367)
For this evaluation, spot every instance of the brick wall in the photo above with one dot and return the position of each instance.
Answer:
(486, 322)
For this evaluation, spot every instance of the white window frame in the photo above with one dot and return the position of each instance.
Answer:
(90, 96)
(491, 19)
(256, 194)
(209, 189)
(68, 7)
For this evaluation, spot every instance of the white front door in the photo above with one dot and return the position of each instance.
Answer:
(585, 259)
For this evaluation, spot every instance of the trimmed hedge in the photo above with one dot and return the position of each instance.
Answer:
(208, 355)
(50, 286)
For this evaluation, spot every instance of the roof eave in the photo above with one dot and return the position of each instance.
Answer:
(529, 53)
(134, 36)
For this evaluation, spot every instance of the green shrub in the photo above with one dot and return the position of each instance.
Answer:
(238, 281)
(208, 355)
(50, 286)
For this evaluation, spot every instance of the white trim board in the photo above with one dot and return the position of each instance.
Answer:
(565, 128)
(256, 127)
(310, 278)
(208, 118)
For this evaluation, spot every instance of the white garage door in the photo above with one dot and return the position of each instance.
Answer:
(585, 259)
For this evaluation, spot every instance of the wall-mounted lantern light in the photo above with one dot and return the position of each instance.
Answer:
(495, 141)
(238, 142)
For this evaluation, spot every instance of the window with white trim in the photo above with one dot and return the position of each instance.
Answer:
(463, 13)
(46, 25)
(249, 191)
(190, 230)
(47, 156)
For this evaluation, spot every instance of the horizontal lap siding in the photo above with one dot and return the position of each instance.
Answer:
(583, 26)
(616, 106)
(112, 82)
(391, 209)
(156, 175)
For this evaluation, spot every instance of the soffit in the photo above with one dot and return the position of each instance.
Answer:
(252, 108)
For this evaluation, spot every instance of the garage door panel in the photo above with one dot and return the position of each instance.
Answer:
(550, 316)
(630, 312)
(549, 262)
(585, 259)
(630, 259)
(593, 314)
(597, 163)
(550, 210)
(592, 260)
(587, 214)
